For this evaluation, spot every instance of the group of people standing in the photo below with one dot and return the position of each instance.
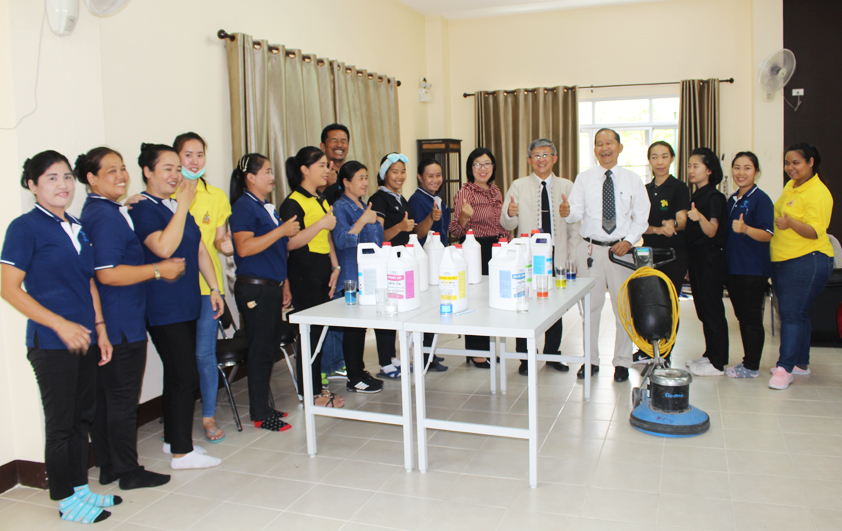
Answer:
(95, 285)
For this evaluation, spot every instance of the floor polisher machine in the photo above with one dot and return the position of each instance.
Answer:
(648, 306)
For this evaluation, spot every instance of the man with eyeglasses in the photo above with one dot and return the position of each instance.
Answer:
(335, 140)
(612, 205)
(532, 202)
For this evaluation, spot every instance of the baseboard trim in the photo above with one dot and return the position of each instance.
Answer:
(33, 474)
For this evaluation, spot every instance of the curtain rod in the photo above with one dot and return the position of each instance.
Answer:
(729, 80)
(222, 35)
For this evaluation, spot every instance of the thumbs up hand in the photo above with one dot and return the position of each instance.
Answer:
(369, 216)
(783, 222)
(328, 221)
(564, 207)
(407, 225)
(435, 214)
(467, 210)
(512, 210)
(739, 225)
(693, 214)
(290, 227)
(226, 246)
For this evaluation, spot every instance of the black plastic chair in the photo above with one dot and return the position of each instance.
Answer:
(231, 352)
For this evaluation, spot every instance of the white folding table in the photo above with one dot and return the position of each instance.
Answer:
(485, 321)
(338, 314)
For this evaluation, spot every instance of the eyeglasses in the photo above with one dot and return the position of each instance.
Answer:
(483, 166)
(541, 156)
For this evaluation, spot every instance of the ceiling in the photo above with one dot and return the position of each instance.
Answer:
(455, 9)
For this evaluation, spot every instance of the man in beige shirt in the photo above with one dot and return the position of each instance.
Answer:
(532, 202)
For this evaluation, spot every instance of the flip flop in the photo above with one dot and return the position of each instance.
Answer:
(209, 434)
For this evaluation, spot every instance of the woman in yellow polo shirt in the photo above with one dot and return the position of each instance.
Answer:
(802, 257)
(312, 266)
(211, 211)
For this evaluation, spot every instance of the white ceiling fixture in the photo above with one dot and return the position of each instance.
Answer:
(456, 9)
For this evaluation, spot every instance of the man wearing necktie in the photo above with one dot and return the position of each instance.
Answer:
(612, 205)
(532, 203)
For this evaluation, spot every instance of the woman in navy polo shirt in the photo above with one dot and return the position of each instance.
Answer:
(356, 223)
(120, 275)
(751, 216)
(426, 211)
(260, 252)
(398, 220)
(47, 251)
(167, 230)
(313, 267)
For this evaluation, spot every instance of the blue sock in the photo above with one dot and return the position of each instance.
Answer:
(74, 509)
(97, 500)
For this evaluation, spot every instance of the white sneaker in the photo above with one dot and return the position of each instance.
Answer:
(701, 361)
(704, 369)
(796, 371)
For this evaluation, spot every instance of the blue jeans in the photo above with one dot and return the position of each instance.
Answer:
(333, 358)
(797, 283)
(206, 334)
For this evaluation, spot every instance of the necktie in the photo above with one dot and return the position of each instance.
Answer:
(546, 218)
(609, 213)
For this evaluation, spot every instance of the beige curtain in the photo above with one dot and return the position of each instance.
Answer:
(508, 120)
(698, 120)
(281, 99)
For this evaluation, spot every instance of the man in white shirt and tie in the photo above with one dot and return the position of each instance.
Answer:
(613, 206)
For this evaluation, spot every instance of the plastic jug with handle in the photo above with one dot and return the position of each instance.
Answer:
(507, 279)
(402, 273)
(423, 262)
(472, 253)
(372, 262)
(453, 280)
(434, 249)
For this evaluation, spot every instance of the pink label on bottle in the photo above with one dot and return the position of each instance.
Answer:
(410, 284)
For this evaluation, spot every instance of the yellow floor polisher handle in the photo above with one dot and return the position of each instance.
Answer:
(664, 345)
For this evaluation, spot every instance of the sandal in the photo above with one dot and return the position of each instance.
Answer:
(210, 434)
(330, 402)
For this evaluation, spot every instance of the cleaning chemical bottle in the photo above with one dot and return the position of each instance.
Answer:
(507, 279)
(401, 273)
(542, 254)
(472, 253)
(527, 256)
(453, 281)
(372, 262)
(434, 249)
(423, 262)
(411, 251)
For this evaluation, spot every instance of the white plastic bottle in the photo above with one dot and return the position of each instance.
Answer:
(372, 262)
(401, 273)
(472, 252)
(411, 251)
(542, 254)
(527, 257)
(453, 280)
(434, 249)
(423, 262)
(507, 279)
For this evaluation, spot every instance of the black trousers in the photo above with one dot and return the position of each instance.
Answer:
(67, 382)
(676, 270)
(176, 344)
(486, 246)
(747, 293)
(114, 433)
(308, 284)
(261, 309)
(708, 272)
(385, 346)
(353, 348)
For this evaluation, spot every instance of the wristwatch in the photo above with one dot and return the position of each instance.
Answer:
(336, 268)
(157, 273)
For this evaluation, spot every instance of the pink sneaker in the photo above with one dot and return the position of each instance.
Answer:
(780, 379)
(796, 371)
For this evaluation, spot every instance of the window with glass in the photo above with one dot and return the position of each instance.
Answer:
(639, 121)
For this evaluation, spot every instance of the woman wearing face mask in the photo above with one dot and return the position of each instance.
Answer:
(312, 265)
(121, 276)
(705, 236)
(356, 223)
(750, 227)
(669, 201)
(260, 240)
(802, 257)
(167, 230)
(477, 207)
(47, 251)
(429, 212)
(211, 210)
(398, 224)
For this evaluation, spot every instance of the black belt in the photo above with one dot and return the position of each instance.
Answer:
(603, 244)
(247, 279)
